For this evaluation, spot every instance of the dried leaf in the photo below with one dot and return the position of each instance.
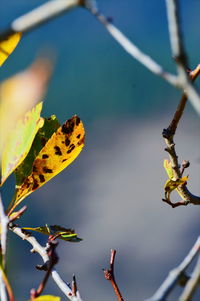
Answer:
(57, 231)
(59, 151)
(8, 45)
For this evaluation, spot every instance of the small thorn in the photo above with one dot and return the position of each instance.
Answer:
(74, 285)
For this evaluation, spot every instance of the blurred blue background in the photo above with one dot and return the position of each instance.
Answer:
(112, 193)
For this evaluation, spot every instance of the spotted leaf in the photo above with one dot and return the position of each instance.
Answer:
(7, 46)
(43, 135)
(59, 151)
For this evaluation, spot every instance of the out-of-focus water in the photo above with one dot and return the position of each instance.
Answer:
(112, 193)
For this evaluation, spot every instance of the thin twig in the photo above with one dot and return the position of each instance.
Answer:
(179, 53)
(179, 111)
(43, 253)
(4, 225)
(129, 46)
(53, 8)
(109, 275)
(174, 275)
(168, 135)
(3, 293)
(192, 283)
(39, 15)
(175, 34)
(7, 285)
(180, 81)
(53, 260)
(17, 214)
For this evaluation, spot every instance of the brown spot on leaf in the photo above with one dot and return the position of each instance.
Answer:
(47, 170)
(35, 184)
(78, 136)
(67, 142)
(57, 150)
(77, 120)
(64, 129)
(64, 160)
(68, 127)
(72, 146)
(45, 156)
(42, 178)
(81, 141)
(34, 168)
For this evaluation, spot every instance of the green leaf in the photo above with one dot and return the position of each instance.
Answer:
(46, 298)
(50, 126)
(168, 167)
(20, 140)
(57, 231)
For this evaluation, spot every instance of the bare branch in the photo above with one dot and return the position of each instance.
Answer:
(4, 224)
(192, 284)
(168, 135)
(175, 33)
(40, 15)
(179, 54)
(44, 254)
(43, 13)
(179, 111)
(109, 275)
(180, 81)
(129, 47)
(3, 293)
(53, 260)
(5, 286)
(174, 275)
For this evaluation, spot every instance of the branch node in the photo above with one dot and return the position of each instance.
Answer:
(43, 267)
(168, 133)
(109, 275)
(177, 204)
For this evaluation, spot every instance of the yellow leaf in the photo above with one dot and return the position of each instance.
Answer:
(59, 151)
(170, 185)
(18, 95)
(47, 298)
(19, 141)
(8, 45)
